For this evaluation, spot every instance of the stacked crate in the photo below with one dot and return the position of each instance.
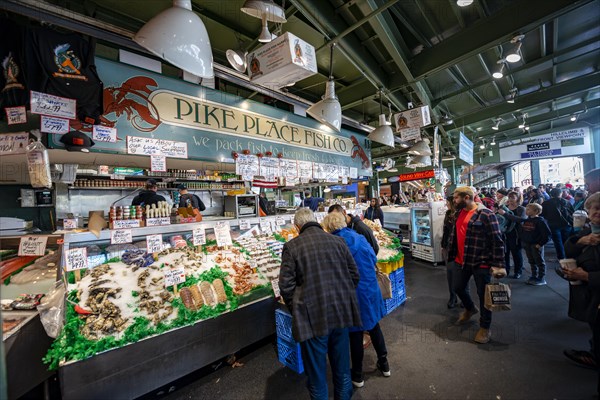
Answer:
(398, 291)
(287, 349)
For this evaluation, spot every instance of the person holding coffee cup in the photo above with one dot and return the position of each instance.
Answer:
(584, 299)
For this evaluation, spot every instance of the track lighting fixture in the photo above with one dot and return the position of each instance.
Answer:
(512, 96)
(514, 55)
(522, 124)
(499, 73)
(497, 126)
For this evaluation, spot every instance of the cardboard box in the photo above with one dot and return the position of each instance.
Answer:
(412, 119)
(282, 62)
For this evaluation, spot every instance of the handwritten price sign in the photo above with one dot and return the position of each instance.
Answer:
(120, 236)
(275, 285)
(70, 223)
(54, 125)
(76, 259)
(149, 146)
(158, 163)
(199, 236)
(154, 243)
(244, 224)
(46, 104)
(223, 234)
(16, 115)
(174, 276)
(101, 133)
(32, 245)
(13, 143)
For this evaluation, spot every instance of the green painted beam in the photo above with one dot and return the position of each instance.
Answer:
(518, 17)
(542, 95)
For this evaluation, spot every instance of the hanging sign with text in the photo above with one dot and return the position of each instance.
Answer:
(148, 146)
(103, 133)
(32, 245)
(13, 143)
(55, 106)
(54, 125)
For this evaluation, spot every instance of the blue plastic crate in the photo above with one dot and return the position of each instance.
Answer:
(391, 304)
(283, 325)
(289, 354)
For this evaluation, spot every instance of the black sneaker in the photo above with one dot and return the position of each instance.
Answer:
(384, 367)
(517, 276)
(357, 380)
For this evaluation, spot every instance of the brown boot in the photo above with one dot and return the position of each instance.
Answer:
(466, 315)
(483, 336)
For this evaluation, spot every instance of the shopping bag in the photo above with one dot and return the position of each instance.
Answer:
(497, 297)
(385, 285)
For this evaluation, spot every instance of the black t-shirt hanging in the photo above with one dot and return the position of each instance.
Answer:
(63, 65)
(13, 92)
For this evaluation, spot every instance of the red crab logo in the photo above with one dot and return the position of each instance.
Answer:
(357, 150)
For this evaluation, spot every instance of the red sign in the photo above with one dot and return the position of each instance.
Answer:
(415, 176)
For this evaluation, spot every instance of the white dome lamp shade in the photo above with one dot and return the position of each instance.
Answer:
(264, 8)
(383, 133)
(420, 161)
(328, 111)
(421, 148)
(265, 35)
(237, 59)
(179, 36)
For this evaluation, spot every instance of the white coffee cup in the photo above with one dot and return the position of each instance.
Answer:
(579, 218)
(570, 264)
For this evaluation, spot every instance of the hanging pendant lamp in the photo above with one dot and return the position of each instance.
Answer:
(267, 11)
(179, 36)
(420, 161)
(383, 133)
(421, 148)
(328, 111)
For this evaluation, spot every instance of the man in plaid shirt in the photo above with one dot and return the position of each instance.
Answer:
(477, 249)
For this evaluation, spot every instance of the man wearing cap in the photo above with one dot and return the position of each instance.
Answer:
(187, 199)
(148, 196)
(311, 202)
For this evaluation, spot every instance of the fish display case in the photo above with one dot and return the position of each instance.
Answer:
(174, 299)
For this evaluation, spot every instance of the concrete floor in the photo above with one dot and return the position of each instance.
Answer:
(432, 359)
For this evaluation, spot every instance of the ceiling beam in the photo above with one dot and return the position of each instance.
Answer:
(542, 95)
(520, 16)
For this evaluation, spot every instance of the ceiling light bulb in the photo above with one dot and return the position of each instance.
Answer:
(514, 56)
(573, 118)
(464, 3)
(482, 146)
(495, 127)
(237, 59)
(522, 125)
(327, 190)
(511, 100)
(493, 142)
(498, 74)
(526, 128)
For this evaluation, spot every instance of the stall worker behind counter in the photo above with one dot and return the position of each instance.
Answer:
(148, 196)
(187, 199)
(311, 202)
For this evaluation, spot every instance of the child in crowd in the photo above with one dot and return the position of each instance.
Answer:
(536, 234)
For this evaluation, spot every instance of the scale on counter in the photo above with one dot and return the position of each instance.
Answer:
(37, 198)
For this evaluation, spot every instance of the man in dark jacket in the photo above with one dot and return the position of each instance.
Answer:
(148, 196)
(476, 247)
(356, 224)
(559, 214)
(311, 202)
(317, 280)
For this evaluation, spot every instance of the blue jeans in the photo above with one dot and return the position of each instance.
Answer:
(314, 357)
(559, 237)
(482, 276)
(512, 245)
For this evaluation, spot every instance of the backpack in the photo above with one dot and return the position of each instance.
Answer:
(566, 212)
(201, 205)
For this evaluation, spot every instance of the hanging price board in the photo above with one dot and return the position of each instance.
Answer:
(199, 236)
(154, 243)
(244, 224)
(32, 245)
(76, 259)
(120, 236)
(174, 276)
(223, 234)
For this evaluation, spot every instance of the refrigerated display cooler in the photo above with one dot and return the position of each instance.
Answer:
(427, 223)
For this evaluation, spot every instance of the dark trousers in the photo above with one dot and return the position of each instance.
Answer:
(512, 246)
(559, 237)
(357, 350)
(482, 276)
(596, 344)
(314, 355)
(535, 257)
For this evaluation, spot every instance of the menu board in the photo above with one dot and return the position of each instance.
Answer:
(247, 166)
(269, 167)
(149, 146)
(289, 169)
(305, 169)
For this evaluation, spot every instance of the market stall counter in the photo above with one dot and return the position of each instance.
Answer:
(171, 300)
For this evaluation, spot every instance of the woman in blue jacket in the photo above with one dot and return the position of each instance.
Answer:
(369, 298)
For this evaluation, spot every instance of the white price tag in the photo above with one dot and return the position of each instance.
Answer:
(47, 104)
(275, 285)
(69, 223)
(120, 236)
(264, 224)
(154, 243)
(174, 276)
(319, 217)
(126, 223)
(275, 227)
(158, 221)
(54, 125)
(280, 221)
(223, 234)
(16, 115)
(76, 259)
(158, 163)
(101, 133)
(32, 245)
(344, 180)
(199, 236)
(244, 224)
(266, 229)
